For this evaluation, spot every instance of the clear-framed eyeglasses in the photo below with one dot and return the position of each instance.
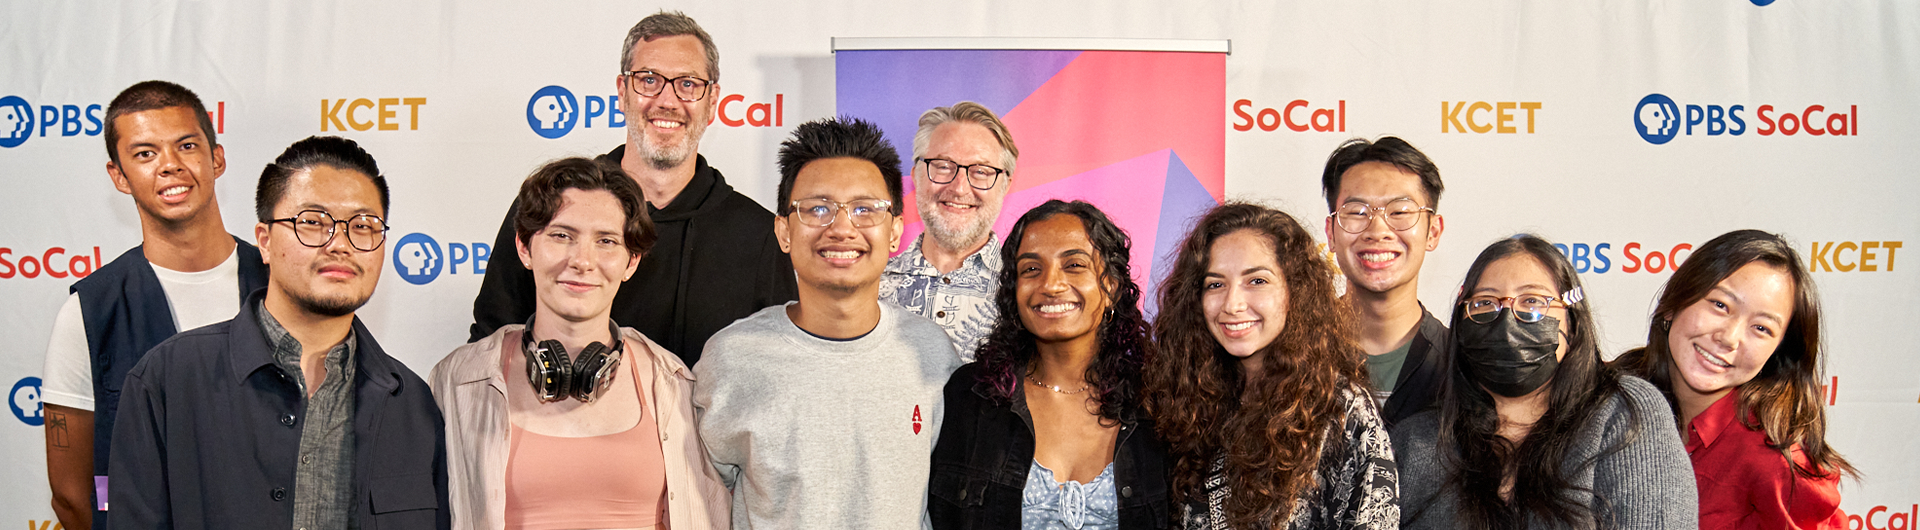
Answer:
(649, 83)
(862, 213)
(315, 228)
(1401, 214)
(1526, 308)
(980, 176)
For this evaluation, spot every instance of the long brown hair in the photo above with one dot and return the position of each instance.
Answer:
(1193, 387)
(1782, 400)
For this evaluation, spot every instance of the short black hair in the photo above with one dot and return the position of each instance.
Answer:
(153, 95)
(540, 198)
(1387, 149)
(331, 151)
(842, 137)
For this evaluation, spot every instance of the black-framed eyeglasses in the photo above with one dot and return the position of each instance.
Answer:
(315, 228)
(980, 176)
(1401, 214)
(1526, 308)
(862, 213)
(649, 83)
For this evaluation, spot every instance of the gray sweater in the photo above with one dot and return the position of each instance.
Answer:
(1647, 484)
(816, 433)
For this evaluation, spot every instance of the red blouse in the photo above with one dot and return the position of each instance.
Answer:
(1745, 484)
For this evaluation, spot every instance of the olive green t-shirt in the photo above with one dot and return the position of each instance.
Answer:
(1385, 370)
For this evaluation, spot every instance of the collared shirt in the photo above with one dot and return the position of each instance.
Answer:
(960, 301)
(1745, 484)
(323, 478)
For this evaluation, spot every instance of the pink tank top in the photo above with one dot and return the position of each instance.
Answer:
(611, 481)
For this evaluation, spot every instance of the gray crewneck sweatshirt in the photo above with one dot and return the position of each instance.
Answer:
(817, 433)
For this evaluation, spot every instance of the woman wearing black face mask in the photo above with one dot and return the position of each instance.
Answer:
(1533, 430)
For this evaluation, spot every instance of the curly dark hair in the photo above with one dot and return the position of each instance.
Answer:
(1194, 389)
(1009, 350)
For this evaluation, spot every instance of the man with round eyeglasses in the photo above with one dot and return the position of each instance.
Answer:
(1383, 198)
(716, 260)
(963, 161)
(290, 415)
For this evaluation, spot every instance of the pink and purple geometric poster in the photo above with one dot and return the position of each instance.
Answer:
(1141, 134)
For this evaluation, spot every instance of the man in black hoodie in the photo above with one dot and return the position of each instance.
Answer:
(716, 260)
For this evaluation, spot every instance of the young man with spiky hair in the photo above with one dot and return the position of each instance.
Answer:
(187, 272)
(821, 413)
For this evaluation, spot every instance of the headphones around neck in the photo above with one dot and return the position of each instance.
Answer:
(554, 378)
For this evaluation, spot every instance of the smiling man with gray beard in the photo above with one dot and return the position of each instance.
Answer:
(716, 260)
(963, 159)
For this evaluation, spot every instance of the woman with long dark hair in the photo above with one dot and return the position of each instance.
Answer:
(1735, 345)
(1259, 389)
(1533, 430)
(1044, 430)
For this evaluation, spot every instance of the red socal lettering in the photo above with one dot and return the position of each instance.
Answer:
(6, 267)
(1268, 119)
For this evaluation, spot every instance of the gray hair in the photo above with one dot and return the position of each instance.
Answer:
(966, 112)
(668, 24)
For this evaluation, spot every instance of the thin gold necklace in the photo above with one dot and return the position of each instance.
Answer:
(1056, 388)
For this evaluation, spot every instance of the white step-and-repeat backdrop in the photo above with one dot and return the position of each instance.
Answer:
(1627, 131)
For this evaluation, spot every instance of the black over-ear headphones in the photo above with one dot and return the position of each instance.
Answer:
(554, 378)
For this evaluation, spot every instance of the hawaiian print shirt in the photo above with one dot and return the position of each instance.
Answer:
(960, 301)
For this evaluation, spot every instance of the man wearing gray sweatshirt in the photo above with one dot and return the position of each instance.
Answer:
(821, 413)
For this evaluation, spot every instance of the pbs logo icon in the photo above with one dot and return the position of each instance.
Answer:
(553, 111)
(1657, 119)
(16, 121)
(418, 258)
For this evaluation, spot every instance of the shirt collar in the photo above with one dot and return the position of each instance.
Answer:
(914, 261)
(1706, 428)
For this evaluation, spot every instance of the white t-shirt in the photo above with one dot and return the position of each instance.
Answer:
(195, 298)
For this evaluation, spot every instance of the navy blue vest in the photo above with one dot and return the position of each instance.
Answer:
(126, 313)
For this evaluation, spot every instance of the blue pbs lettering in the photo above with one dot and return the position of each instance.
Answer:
(68, 118)
(16, 121)
(1715, 118)
(24, 400)
(1656, 118)
(1587, 258)
(417, 258)
(553, 111)
(609, 107)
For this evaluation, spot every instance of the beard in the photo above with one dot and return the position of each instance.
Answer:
(332, 306)
(955, 234)
(667, 154)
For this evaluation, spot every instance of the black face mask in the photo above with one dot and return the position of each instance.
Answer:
(1508, 357)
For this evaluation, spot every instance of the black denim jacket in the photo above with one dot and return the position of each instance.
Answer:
(981, 460)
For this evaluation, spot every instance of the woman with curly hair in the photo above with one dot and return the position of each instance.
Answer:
(1259, 389)
(1044, 430)
(1735, 346)
(1533, 431)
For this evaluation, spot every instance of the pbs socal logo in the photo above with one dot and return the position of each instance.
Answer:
(16, 121)
(1657, 118)
(553, 111)
(418, 258)
(24, 400)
